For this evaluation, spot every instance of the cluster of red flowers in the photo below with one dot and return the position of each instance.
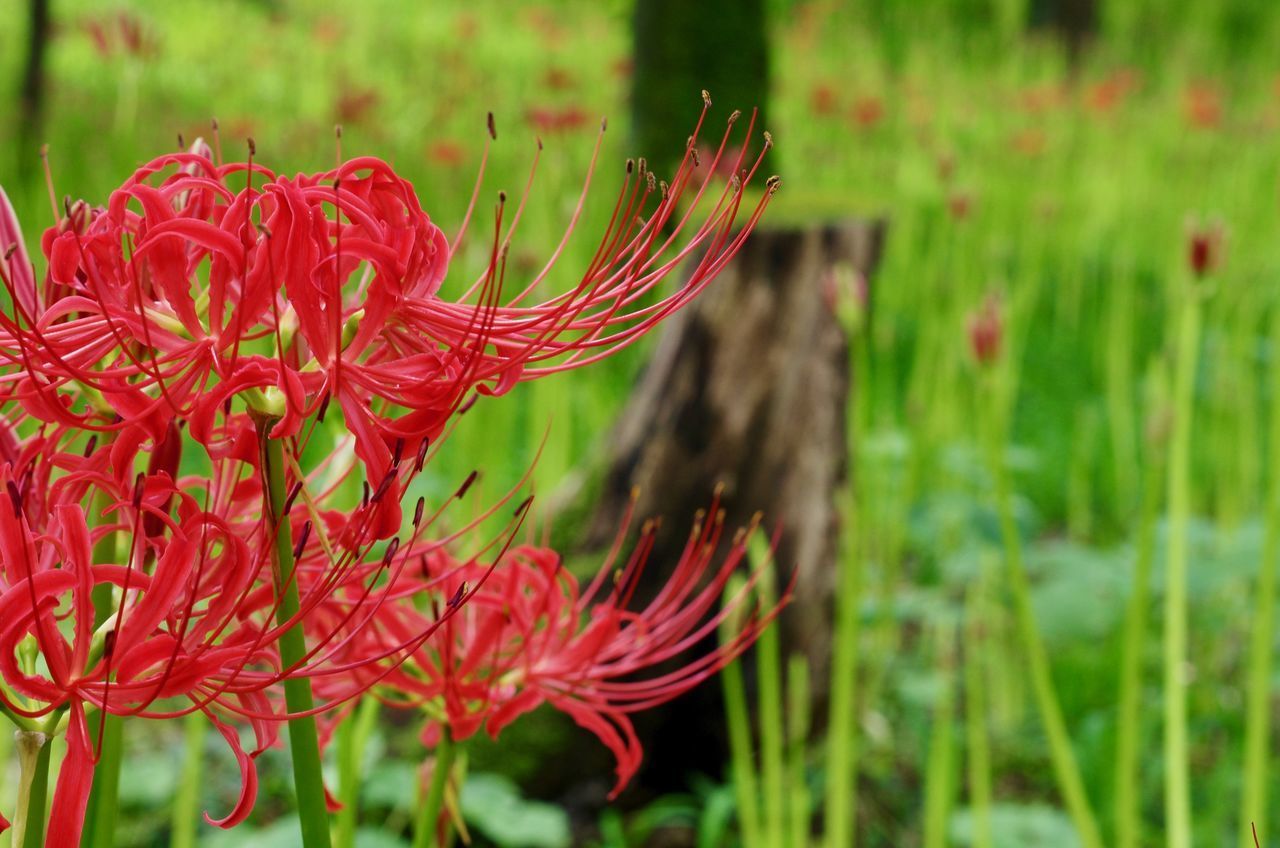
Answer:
(160, 386)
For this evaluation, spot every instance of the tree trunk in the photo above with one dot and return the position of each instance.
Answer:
(31, 95)
(748, 388)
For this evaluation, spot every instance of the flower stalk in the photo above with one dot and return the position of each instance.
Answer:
(100, 822)
(1176, 758)
(304, 742)
(428, 832)
(1065, 769)
(33, 787)
(1257, 727)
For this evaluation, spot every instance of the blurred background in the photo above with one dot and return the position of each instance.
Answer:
(994, 217)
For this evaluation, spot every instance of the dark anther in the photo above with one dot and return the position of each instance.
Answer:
(423, 447)
(493, 129)
(458, 595)
(631, 166)
(397, 451)
(324, 407)
(253, 148)
(390, 553)
(182, 143)
(91, 446)
(417, 512)
(466, 484)
(15, 498)
(383, 486)
(139, 483)
(301, 544)
(524, 505)
(364, 498)
(109, 643)
(293, 496)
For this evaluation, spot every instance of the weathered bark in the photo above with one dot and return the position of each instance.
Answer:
(749, 388)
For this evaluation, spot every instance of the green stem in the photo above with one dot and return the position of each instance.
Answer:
(353, 736)
(426, 827)
(1257, 727)
(1128, 831)
(938, 777)
(304, 743)
(186, 803)
(1176, 762)
(1065, 769)
(798, 734)
(34, 748)
(975, 709)
(738, 722)
(769, 680)
(841, 796)
(100, 820)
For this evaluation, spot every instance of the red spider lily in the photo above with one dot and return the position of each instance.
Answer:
(551, 120)
(986, 331)
(1206, 244)
(1202, 106)
(170, 637)
(195, 621)
(200, 282)
(867, 111)
(531, 634)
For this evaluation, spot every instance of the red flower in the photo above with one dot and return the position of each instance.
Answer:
(202, 282)
(195, 624)
(986, 331)
(1205, 247)
(531, 634)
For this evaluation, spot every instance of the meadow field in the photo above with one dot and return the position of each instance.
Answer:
(1055, 616)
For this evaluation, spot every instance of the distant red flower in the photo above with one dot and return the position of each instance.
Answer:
(1029, 142)
(1202, 106)
(446, 152)
(986, 331)
(867, 111)
(1205, 247)
(823, 99)
(559, 79)
(959, 204)
(1109, 93)
(551, 120)
(1038, 100)
(355, 104)
(118, 33)
(946, 167)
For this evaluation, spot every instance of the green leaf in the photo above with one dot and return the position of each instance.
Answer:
(492, 804)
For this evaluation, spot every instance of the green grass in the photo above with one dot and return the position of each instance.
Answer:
(1076, 213)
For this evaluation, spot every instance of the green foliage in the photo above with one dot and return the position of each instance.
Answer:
(493, 805)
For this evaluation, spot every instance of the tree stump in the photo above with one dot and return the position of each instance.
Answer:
(749, 389)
